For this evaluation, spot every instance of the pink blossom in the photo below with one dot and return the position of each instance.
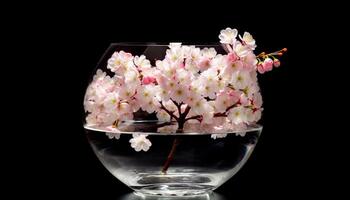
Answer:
(204, 64)
(199, 106)
(179, 93)
(207, 116)
(208, 52)
(193, 97)
(232, 57)
(120, 61)
(234, 95)
(148, 80)
(257, 100)
(126, 91)
(162, 80)
(183, 76)
(150, 105)
(243, 100)
(250, 61)
(225, 99)
(241, 79)
(141, 62)
(230, 68)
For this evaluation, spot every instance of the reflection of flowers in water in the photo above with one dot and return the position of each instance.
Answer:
(133, 196)
(112, 135)
(218, 135)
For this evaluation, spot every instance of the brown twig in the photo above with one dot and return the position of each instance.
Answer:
(223, 114)
(197, 117)
(170, 155)
(178, 105)
(187, 110)
(168, 111)
(180, 121)
(277, 53)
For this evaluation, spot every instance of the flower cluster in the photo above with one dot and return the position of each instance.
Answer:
(199, 89)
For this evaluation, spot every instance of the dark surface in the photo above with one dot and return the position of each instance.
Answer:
(294, 158)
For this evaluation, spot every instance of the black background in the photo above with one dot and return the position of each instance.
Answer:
(296, 155)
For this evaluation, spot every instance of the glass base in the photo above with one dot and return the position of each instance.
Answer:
(171, 185)
(186, 191)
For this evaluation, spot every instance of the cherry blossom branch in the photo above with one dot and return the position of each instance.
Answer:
(220, 114)
(223, 114)
(182, 118)
(197, 117)
(276, 53)
(180, 121)
(230, 107)
(167, 111)
(178, 105)
(187, 110)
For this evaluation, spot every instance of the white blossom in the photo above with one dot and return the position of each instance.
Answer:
(228, 36)
(248, 40)
(238, 115)
(140, 143)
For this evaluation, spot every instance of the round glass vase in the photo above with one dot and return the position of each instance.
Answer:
(184, 163)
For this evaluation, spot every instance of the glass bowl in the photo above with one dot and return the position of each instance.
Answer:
(141, 147)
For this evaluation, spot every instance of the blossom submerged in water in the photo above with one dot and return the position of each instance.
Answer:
(140, 142)
(201, 90)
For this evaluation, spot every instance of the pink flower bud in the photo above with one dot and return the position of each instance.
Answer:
(260, 67)
(276, 63)
(268, 64)
(147, 80)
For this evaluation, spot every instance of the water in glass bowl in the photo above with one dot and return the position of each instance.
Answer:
(199, 163)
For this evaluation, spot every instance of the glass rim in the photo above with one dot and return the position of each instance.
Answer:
(164, 44)
(250, 128)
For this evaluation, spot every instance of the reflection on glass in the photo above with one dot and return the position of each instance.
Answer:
(133, 196)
